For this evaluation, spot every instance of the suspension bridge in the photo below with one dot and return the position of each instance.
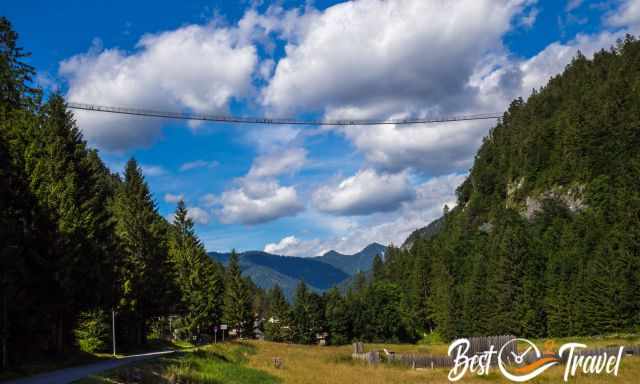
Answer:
(273, 121)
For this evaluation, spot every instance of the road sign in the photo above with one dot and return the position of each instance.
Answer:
(223, 327)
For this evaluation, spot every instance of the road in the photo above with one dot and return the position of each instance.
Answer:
(68, 375)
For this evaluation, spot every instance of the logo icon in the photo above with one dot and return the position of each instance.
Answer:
(521, 367)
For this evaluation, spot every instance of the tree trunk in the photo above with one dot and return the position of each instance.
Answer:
(5, 329)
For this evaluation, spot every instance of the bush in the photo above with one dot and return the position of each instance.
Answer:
(92, 332)
(431, 338)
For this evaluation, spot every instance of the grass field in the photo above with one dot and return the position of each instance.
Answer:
(252, 362)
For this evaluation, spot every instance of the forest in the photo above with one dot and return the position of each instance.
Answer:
(544, 239)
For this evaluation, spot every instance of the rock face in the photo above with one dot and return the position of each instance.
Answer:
(529, 205)
(572, 198)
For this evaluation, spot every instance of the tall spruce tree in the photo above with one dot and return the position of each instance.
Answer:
(278, 316)
(238, 311)
(141, 269)
(197, 277)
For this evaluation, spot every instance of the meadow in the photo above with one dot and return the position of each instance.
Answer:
(252, 362)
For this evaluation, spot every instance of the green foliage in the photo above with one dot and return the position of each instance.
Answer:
(569, 265)
(277, 327)
(238, 311)
(92, 333)
(198, 278)
(307, 315)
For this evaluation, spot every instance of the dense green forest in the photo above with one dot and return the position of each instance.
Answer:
(78, 241)
(544, 240)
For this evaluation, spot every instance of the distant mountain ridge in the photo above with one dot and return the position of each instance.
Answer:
(319, 273)
(352, 264)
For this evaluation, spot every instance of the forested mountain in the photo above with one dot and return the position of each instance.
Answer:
(352, 264)
(544, 240)
(319, 273)
(423, 233)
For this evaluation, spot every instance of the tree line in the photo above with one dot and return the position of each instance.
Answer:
(544, 240)
(78, 241)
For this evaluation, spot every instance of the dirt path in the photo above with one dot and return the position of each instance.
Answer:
(68, 375)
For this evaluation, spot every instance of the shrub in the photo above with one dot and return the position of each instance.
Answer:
(92, 332)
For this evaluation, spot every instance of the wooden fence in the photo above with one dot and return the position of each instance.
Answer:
(478, 345)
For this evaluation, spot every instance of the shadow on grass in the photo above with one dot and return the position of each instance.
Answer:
(213, 364)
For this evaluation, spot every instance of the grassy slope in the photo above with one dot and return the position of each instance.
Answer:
(220, 363)
(252, 362)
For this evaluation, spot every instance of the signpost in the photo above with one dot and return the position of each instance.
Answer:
(215, 334)
(223, 327)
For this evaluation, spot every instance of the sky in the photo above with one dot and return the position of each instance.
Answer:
(304, 190)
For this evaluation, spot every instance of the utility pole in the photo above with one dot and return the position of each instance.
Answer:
(113, 330)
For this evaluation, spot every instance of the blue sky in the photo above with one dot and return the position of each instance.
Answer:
(304, 190)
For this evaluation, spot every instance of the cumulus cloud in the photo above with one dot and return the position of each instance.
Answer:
(364, 193)
(173, 199)
(389, 228)
(406, 58)
(198, 164)
(196, 67)
(273, 164)
(258, 201)
(198, 215)
(383, 54)
(628, 14)
(151, 170)
(292, 246)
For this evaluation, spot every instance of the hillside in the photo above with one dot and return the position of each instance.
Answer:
(423, 233)
(352, 264)
(544, 238)
(266, 270)
(319, 273)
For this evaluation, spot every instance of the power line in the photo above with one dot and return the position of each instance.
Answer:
(276, 121)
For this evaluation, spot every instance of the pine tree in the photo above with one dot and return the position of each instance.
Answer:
(378, 268)
(237, 299)
(142, 267)
(278, 316)
(338, 318)
(197, 277)
(307, 315)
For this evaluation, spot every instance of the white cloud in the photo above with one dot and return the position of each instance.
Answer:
(573, 4)
(395, 59)
(277, 163)
(392, 55)
(196, 67)
(198, 215)
(209, 199)
(390, 228)
(529, 19)
(258, 201)
(150, 170)
(292, 246)
(628, 14)
(364, 193)
(198, 164)
(173, 199)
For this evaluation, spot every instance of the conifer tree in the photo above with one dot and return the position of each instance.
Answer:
(197, 277)
(142, 267)
(278, 316)
(237, 299)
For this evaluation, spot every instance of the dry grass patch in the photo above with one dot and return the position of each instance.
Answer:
(333, 365)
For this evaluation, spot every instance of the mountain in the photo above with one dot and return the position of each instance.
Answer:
(319, 273)
(543, 241)
(352, 264)
(423, 233)
(266, 270)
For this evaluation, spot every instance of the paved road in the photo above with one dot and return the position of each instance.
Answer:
(69, 375)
